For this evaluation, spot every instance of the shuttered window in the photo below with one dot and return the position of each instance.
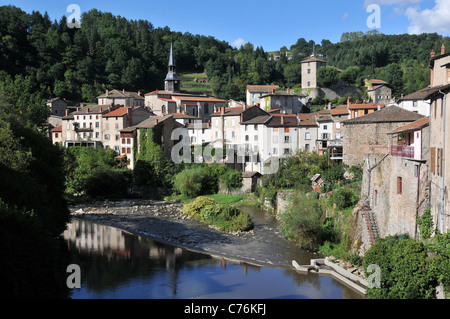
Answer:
(399, 185)
(432, 160)
(438, 164)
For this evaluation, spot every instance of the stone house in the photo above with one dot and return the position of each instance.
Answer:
(287, 102)
(254, 92)
(310, 67)
(395, 186)
(440, 139)
(123, 98)
(162, 127)
(367, 134)
(250, 181)
(378, 91)
(57, 106)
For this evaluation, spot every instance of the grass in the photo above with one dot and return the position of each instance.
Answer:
(193, 75)
(226, 199)
(197, 89)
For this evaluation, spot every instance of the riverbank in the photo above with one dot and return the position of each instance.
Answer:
(165, 222)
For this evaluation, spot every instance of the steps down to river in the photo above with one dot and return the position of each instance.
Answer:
(328, 268)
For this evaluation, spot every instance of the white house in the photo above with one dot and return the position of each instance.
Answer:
(416, 102)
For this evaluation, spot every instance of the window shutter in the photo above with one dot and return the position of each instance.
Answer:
(433, 160)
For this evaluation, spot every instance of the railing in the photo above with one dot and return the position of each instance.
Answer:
(402, 151)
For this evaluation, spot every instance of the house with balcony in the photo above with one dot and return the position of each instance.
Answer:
(395, 186)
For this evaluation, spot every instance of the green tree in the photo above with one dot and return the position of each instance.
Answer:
(327, 76)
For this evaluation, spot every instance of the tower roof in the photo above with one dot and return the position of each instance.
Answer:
(171, 56)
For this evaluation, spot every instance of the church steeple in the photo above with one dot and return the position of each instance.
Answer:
(172, 82)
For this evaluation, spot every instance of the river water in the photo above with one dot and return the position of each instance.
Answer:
(117, 264)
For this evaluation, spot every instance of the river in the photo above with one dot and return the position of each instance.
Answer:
(116, 264)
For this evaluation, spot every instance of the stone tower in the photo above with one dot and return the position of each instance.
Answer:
(172, 82)
(310, 67)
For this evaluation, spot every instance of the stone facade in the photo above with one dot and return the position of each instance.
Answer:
(310, 67)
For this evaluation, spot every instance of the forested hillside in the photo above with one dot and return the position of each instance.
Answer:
(110, 51)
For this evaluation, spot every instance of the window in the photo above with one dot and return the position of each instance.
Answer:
(325, 127)
(309, 83)
(338, 124)
(255, 138)
(163, 109)
(128, 141)
(217, 123)
(123, 140)
(97, 124)
(415, 103)
(307, 148)
(255, 127)
(432, 160)
(117, 125)
(287, 139)
(233, 122)
(117, 137)
(128, 150)
(68, 135)
(287, 151)
(56, 135)
(309, 71)
(247, 138)
(275, 151)
(399, 185)
(97, 134)
(338, 136)
(123, 150)
(216, 134)
(233, 134)
(106, 136)
(246, 127)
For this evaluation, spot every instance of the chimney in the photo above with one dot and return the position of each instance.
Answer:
(378, 107)
(348, 101)
(433, 54)
(222, 110)
(282, 120)
(443, 49)
(329, 106)
(123, 91)
(139, 93)
(129, 116)
(67, 112)
(288, 90)
(107, 93)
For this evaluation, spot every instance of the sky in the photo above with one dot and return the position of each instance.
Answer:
(269, 24)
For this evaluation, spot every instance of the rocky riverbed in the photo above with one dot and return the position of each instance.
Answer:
(164, 221)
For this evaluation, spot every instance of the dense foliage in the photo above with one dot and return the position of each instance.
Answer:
(33, 210)
(224, 217)
(405, 269)
(112, 52)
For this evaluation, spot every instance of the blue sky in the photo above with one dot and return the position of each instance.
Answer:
(270, 24)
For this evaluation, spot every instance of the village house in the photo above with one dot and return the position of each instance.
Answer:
(368, 134)
(254, 92)
(357, 110)
(57, 135)
(286, 101)
(308, 132)
(310, 68)
(117, 119)
(162, 128)
(124, 98)
(378, 91)
(439, 139)
(416, 102)
(57, 106)
(395, 186)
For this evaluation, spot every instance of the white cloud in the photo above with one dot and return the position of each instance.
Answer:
(391, 2)
(345, 16)
(238, 43)
(435, 19)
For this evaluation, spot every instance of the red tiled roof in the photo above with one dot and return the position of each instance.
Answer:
(198, 98)
(118, 112)
(230, 111)
(414, 125)
(57, 129)
(167, 100)
(365, 106)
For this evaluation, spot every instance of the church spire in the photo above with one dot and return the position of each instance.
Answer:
(172, 82)
(171, 57)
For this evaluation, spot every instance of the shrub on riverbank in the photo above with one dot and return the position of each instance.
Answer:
(302, 222)
(224, 217)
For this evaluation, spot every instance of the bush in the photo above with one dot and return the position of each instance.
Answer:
(344, 198)
(425, 223)
(195, 207)
(106, 181)
(302, 222)
(231, 180)
(404, 268)
(225, 217)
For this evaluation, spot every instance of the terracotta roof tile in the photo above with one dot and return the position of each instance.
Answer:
(389, 114)
(417, 125)
(118, 112)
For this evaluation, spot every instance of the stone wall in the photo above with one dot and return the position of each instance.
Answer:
(395, 212)
(366, 139)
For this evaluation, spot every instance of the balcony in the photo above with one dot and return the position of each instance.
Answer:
(402, 151)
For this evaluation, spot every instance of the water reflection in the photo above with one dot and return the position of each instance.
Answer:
(117, 264)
